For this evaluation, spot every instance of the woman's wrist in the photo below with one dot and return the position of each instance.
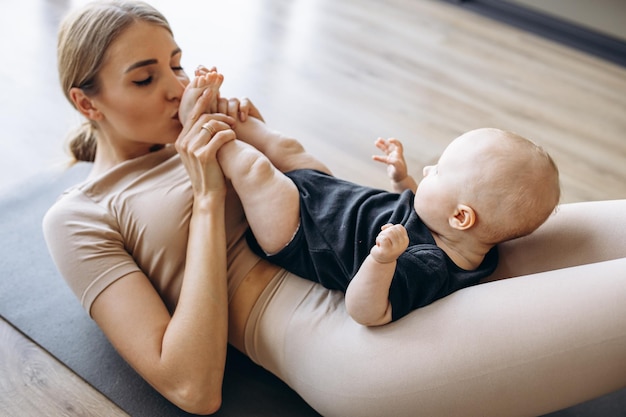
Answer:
(210, 201)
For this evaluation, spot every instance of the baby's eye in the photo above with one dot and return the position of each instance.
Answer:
(143, 83)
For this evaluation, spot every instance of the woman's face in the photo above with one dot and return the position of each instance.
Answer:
(141, 86)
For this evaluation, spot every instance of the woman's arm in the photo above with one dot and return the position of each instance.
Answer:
(183, 355)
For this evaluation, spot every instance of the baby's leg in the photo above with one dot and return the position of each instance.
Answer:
(285, 153)
(270, 199)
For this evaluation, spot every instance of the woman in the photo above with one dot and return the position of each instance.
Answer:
(152, 244)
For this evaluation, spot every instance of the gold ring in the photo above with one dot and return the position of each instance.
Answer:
(209, 128)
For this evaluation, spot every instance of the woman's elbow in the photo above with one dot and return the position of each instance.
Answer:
(197, 400)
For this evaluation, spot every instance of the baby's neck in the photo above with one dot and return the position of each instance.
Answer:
(467, 255)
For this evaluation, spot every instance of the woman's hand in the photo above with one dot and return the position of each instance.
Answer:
(198, 147)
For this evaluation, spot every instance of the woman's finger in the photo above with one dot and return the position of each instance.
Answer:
(208, 151)
(202, 131)
(213, 125)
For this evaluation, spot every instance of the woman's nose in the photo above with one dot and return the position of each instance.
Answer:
(176, 86)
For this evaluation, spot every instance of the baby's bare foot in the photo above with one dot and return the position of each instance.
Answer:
(201, 95)
(210, 83)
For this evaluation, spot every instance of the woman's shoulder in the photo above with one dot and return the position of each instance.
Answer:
(72, 214)
(98, 188)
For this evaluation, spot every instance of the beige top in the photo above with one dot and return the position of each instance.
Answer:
(135, 217)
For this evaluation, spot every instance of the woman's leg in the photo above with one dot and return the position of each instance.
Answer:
(576, 234)
(519, 347)
(516, 347)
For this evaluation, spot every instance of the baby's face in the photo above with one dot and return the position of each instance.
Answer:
(445, 185)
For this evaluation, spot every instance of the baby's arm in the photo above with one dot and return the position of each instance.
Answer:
(367, 296)
(396, 164)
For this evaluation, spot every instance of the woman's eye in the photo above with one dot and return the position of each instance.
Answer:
(143, 82)
(179, 68)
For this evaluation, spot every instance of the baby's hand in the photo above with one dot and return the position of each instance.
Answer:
(396, 164)
(201, 95)
(392, 240)
(394, 158)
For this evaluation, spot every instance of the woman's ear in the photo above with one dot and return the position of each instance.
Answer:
(84, 104)
(463, 218)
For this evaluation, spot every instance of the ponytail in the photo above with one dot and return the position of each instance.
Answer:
(82, 143)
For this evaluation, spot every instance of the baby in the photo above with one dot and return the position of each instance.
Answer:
(391, 252)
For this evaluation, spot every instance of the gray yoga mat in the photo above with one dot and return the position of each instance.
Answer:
(34, 298)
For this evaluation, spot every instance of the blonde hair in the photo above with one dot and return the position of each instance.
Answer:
(83, 40)
(518, 188)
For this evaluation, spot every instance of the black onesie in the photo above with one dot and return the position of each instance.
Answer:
(339, 222)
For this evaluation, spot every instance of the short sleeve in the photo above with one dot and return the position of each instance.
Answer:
(86, 246)
(421, 278)
(424, 274)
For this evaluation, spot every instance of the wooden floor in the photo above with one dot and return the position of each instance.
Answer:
(336, 74)
(33, 383)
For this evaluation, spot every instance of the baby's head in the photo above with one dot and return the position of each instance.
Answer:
(494, 183)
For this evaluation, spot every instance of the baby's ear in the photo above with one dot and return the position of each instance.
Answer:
(464, 217)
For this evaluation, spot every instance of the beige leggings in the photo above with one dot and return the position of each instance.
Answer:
(514, 347)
